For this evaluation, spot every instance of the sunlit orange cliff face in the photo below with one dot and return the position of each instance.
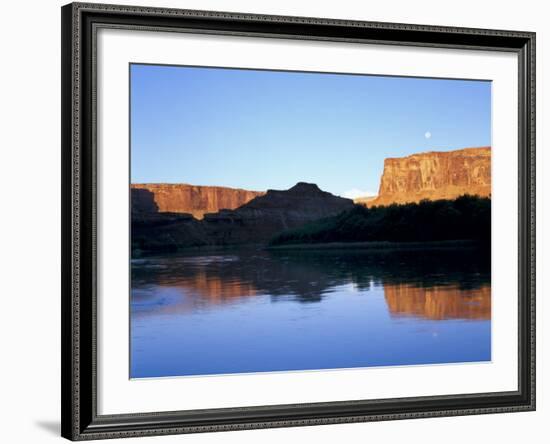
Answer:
(192, 199)
(435, 175)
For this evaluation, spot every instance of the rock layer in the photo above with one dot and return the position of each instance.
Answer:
(183, 198)
(435, 175)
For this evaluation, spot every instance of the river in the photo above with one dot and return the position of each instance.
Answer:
(253, 310)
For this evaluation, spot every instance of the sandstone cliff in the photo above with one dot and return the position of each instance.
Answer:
(183, 198)
(435, 175)
(254, 222)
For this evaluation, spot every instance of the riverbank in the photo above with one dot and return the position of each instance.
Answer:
(368, 245)
(381, 245)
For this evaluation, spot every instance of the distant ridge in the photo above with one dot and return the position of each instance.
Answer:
(185, 198)
(364, 200)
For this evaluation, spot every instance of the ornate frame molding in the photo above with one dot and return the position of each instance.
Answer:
(79, 386)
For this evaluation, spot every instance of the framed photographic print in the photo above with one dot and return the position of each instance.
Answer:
(280, 221)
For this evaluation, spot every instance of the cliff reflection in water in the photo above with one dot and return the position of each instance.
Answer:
(441, 302)
(424, 284)
(329, 309)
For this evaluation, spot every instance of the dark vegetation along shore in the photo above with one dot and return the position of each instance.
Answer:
(464, 218)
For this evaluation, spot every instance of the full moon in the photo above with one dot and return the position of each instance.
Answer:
(427, 134)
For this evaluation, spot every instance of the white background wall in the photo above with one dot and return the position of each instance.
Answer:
(30, 209)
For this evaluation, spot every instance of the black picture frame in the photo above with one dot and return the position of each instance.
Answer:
(80, 420)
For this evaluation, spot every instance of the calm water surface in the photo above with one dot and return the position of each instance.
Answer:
(253, 311)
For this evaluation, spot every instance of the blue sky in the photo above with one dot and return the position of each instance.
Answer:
(258, 130)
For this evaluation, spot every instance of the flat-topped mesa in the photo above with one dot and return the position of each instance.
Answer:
(435, 175)
(301, 198)
(306, 188)
(275, 211)
(184, 198)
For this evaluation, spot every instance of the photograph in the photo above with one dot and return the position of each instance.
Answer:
(285, 221)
